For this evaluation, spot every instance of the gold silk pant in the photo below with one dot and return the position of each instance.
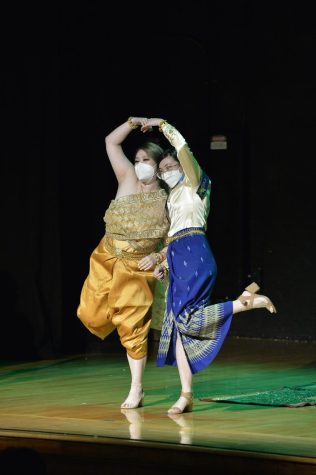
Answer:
(116, 294)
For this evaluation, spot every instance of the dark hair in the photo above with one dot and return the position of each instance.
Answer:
(170, 152)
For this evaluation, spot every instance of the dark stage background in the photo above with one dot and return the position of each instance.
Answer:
(70, 74)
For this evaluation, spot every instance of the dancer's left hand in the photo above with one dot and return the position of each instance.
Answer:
(147, 263)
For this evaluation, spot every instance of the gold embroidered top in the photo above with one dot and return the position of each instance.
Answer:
(140, 218)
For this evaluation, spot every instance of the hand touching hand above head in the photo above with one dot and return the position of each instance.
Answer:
(152, 122)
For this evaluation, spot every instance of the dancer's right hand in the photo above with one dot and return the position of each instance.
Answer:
(159, 273)
(150, 123)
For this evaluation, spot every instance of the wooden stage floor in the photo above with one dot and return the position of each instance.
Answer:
(68, 410)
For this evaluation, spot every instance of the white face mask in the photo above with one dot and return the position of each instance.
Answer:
(144, 172)
(172, 177)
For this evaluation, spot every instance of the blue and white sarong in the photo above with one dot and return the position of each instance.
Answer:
(202, 327)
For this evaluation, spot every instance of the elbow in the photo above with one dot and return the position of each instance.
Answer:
(108, 142)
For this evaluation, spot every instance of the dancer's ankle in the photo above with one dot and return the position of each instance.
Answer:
(183, 404)
(135, 397)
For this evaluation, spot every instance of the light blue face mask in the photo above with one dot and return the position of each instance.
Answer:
(172, 177)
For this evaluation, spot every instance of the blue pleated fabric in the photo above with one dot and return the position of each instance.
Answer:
(202, 327)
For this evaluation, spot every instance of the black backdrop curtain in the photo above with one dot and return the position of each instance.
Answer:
(30, 265)
(69, 77)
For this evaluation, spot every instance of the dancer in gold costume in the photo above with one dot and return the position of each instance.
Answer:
(118, 291)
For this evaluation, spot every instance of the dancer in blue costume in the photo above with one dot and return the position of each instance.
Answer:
(193, 330)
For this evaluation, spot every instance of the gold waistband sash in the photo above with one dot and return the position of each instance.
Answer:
(122, 249)
(183, 233)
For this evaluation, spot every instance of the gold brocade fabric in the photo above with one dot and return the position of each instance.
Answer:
(141, 219)
(116, 294)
